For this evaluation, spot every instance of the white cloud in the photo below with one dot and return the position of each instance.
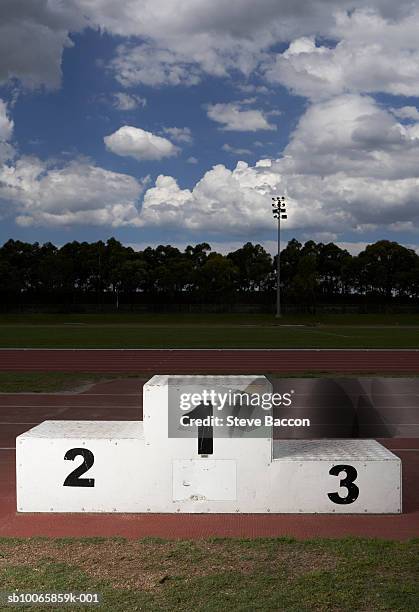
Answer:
(126, 102)
(179, 134)
(192, 160)
(372, 54)
(180, 44)
(148, 65)
(354, 135)
(214, 202)
(251, 88)
(32, 38)
(349, 165)
(233, 118)
(240, 19)
(7, 151)
(235, 150)
(199, 37)
(6, 124)
(176, 43)
(352, 164)
(134, 142)
(406, 112)
(75, 193)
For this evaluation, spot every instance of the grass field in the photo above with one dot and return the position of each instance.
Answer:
(209, 331)
(224, 574)
(58, 382)
(51, 382)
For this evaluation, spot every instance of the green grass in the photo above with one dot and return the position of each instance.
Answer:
(56, 382)
(53, 382)
(352, 575)
(208, 319)
(113, 336)
(209, 331)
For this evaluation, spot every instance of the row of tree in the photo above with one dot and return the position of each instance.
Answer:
(310, 272)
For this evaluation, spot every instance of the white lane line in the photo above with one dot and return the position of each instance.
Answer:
(43, 407)
(39, 422)
(283, 350)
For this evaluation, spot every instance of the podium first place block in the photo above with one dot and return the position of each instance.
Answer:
(112, 466)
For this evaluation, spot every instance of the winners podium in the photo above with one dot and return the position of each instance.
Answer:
(163, 465)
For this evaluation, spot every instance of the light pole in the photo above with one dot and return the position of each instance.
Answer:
(279, 212)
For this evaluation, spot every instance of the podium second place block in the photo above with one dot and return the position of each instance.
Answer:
(79, 466)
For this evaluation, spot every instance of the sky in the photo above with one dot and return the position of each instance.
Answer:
(162, 122)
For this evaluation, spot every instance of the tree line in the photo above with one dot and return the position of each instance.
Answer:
(111, 273)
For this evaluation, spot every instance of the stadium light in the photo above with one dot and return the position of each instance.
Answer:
(279, 211)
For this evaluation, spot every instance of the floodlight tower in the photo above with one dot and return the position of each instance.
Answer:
(279, 212)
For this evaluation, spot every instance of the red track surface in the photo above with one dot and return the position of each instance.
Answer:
(122, 400)
(178, 361)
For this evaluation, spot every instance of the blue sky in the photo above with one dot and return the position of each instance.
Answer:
(162, 125)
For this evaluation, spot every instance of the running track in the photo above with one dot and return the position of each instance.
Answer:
(122, 399)
(225, 361)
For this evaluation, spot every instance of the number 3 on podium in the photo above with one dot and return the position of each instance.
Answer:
(348, 482)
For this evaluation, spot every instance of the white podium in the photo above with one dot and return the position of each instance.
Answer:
(79, 466)
(346, 476)
(87, 466)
